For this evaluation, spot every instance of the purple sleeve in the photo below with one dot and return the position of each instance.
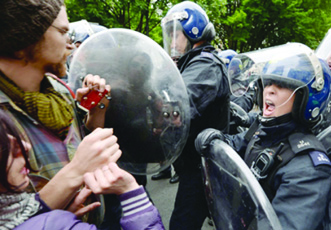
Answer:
(56, 219)
(138, 212)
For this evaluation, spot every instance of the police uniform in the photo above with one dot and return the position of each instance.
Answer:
(298, 180)
(207, 84)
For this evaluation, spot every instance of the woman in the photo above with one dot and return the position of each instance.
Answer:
(290, 163)
(21, 210)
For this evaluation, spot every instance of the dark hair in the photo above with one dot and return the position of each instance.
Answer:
(7, 127)
(23, 23)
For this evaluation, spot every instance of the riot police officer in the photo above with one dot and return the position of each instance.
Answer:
(187, 34)
(290, 163)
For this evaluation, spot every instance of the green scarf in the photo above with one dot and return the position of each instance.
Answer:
(47, 106)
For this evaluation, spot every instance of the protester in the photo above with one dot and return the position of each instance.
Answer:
(33, 48)
(22, 210)
(187, 34)
(291, 165)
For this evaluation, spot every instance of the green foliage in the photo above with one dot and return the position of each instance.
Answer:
(140, 15)
(273, 22)
(242, 25)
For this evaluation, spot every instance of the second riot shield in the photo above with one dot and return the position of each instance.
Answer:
(235, 198)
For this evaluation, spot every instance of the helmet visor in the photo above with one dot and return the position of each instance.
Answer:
(282, 78)
(290, 66)
(175, 42)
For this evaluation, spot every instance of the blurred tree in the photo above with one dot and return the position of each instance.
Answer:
(253, 24)
(140, 15)
(242, 25)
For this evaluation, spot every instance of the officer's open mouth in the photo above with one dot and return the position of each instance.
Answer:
(269, 105)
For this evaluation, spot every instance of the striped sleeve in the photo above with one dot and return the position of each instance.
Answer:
(134, 201)
(138, 211)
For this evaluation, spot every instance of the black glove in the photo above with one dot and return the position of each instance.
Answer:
(240, 120)
(204, 139)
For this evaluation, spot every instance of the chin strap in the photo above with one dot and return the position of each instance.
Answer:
(272, 121)
(268, 122)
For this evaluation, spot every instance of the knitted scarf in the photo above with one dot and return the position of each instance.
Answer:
(47, 106)
(17, 208)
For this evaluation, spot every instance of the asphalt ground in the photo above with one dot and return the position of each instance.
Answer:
(163, 195)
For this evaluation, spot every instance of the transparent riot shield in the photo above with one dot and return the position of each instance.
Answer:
(149, 109)
(235, 198)
(323, 51)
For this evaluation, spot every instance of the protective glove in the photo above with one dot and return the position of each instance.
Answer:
(240, 120)
(204, 139)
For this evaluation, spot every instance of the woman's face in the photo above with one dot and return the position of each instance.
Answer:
(277, 101)
(17, 172)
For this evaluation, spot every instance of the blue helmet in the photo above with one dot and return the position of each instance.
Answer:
(81, 30)
(189, 18)
(81, 37)
(308, 76)
(292, 66)
(227, 56)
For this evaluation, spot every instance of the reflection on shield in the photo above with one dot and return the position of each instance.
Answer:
(149, 110)
(235, 198)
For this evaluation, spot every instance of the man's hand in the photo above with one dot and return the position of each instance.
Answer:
(97, 149)
(110, 179)
(96, 116)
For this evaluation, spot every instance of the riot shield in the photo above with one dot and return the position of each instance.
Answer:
(323, 50)
(235, 198)
(149, 110)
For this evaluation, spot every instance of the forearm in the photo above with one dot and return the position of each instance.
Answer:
(97, 120)
(61, 189)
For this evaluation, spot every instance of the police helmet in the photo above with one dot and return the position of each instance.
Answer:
(191, 19)
(227, 55)
(308, 76)
(293, 66)
(81, 37)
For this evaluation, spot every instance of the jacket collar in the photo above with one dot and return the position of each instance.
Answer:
(183, 61)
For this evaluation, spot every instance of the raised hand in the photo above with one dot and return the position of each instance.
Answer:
(97, 149)
(110, 179)
(96, 115)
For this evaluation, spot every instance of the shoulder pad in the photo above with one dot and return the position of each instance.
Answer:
(207, 54)
(301, 142)
(319, 158)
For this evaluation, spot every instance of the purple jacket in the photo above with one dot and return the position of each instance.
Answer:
(138, 214)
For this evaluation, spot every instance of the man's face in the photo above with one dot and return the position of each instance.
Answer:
(179, 44)
(277, 101)
(51, 52)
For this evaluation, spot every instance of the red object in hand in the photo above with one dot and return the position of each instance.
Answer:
(92, 99)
